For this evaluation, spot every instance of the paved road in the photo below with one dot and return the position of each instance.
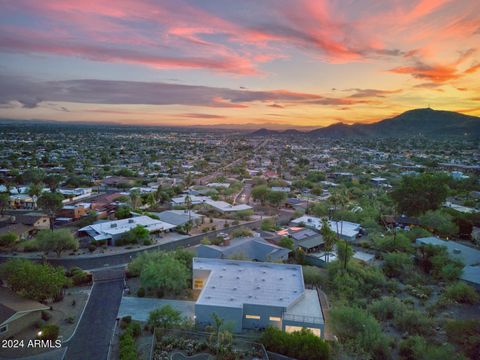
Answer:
(92, 337)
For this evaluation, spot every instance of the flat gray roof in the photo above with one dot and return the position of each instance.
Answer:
(466, 254)
(232, 283)
(308, 309)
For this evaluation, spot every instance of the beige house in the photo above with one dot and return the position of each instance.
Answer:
(17, 313)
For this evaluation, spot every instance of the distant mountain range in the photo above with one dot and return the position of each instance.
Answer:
(418, 122)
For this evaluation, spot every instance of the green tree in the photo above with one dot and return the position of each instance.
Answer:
(276, 198)
(164, 317)
(51, 203)
(35, 281)
(345, 253)
(52, 181)
(137, 235)
(35, 189)
(267, 224)
(328, 235)
(123, 212)
(260, 193)
(415, 195)
(57, 241)
(167, 274)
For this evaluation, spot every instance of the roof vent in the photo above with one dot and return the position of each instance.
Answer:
(234, 288)
(131, 221)
(257, 288)
(213, 287)
(232, 299)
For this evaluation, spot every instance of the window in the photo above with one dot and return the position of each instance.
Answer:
(198, 284)
(3, 329)
(275, 318)
(256, 317)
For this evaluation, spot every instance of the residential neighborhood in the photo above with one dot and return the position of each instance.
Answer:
(271, 236)
(240, 180)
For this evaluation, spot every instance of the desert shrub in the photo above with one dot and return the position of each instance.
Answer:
(387, 308)
(417, 348)
(78, 276)
(461, 293)
(312, 275)
(465, 334)
(414, 322)
(360, 332)
(302, 345)
(358, 281)
(30, 245)
(141, 292)
(397, 264)
(241, 232)
(49, 332)
(8, 239)
(392, 243)
(267, 225)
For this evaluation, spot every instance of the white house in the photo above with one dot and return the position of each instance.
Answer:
(114, 230)
(254, 295)
(346, 229)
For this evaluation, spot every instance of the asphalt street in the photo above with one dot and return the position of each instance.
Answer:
(92, 337)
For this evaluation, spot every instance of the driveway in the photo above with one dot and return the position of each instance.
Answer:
(92, 337)
(139, 308)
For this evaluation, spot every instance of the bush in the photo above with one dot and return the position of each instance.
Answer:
(241, 232)
(414, 322)
(465, 334)
(70, 320)
(302, 345)
(141, 292)
(390, 243)
(79, 277)
(8, 239)
(461, 293)
(30, 246)
(127, 346)
(387, 308)
(397, 264)
(417, 348)
(360, 331)
(148, 242)
(49, 332)
(267, 225)
(92, 247)
(312, 275)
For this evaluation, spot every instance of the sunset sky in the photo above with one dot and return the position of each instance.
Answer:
(285, 62)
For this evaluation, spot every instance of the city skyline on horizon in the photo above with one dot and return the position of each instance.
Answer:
(302, 64)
